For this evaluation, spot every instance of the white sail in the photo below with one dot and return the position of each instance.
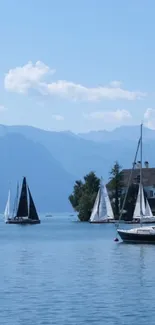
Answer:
(137, 212)
(102, 208)
(94, 214)
(102, 204)
(148, 212)
(110, 213)
(7, 208)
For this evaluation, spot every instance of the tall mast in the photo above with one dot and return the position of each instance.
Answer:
(100, 189)
(15, 202)
(17, 195)
(141, 159)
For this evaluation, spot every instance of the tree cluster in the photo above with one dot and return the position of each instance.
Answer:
(84, 195)
(85, 192)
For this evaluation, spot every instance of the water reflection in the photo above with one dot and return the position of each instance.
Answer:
(68, 273)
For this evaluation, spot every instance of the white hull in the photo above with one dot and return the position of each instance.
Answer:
(145, 220)
(100, 221)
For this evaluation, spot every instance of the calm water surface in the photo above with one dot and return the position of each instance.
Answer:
(65, 272)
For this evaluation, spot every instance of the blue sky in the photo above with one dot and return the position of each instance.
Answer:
(77, 65)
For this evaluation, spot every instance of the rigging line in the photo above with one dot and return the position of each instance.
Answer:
(129, 180)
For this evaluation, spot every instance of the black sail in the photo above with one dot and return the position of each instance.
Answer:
(32, 209)
(22, 210)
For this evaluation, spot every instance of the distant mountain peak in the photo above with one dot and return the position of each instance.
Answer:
(122, 133)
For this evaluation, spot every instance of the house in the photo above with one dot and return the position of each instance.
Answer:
(148, 180)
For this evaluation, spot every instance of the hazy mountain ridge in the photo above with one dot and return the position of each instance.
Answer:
(22, 157)
(127, 132)
(53, 160)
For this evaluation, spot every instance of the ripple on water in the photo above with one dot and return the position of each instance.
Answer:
(62, 272)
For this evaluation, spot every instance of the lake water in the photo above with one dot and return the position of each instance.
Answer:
(68, 273)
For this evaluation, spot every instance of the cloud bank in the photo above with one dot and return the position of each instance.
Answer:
(36, 76)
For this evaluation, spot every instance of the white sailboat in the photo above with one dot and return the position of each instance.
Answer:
(149, 217)
(102, 210)
(146, 215)
(7, 208)
(142, 234)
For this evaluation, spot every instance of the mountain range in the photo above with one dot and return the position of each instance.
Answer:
(52, 161)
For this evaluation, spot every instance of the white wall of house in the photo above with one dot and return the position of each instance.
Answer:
(150, 190)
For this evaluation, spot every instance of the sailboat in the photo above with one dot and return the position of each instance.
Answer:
(102, 210)
(148, 212)
(147, 215)
(26, 212)
(142, 234)
(7, 208)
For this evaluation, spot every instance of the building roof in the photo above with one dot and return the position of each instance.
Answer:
(148, 176)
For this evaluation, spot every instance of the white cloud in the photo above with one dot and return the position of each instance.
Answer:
(74, 91)
(58, 117)
(117, 116)
(34, 76)
(21, 79)
(149, 118)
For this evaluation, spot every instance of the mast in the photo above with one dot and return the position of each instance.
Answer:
(17, 195)
(15, 201)
(141, 158)
(99, 201)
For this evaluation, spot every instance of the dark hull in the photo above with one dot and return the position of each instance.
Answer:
(137, 238)
(23, 222)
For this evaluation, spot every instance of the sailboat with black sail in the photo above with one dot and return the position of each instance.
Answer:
(142, 234)
(26, 212)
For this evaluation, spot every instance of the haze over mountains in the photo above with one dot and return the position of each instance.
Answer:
(128, 132)
(52, 161)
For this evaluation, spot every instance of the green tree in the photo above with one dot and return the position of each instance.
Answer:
(84, 195)
(115, 187)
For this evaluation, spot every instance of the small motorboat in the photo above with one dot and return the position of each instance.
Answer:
(48, 216)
